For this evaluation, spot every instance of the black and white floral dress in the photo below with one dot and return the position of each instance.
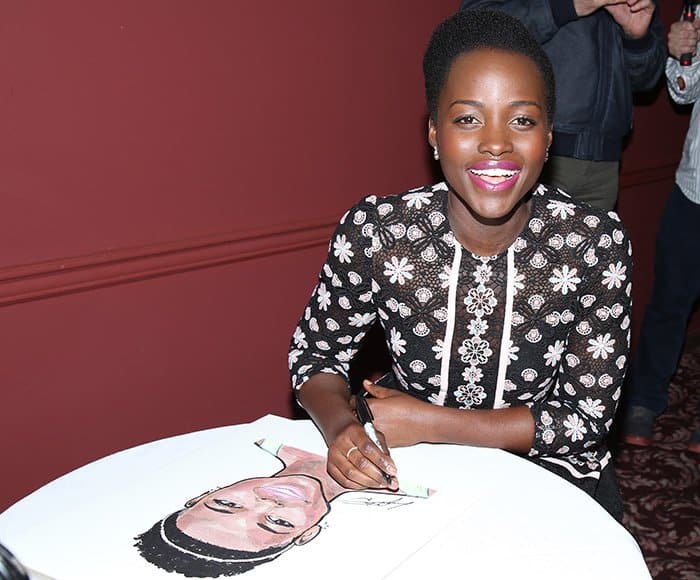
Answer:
(543, 324)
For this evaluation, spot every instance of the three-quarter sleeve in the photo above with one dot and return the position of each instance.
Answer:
(341, 308)
(577, 413)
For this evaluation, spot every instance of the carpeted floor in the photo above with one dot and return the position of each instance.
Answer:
(661, 484)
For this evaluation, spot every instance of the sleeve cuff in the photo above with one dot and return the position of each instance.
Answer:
(563, 11)
(642, 44)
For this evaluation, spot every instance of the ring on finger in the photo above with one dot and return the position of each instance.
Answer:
(349, 451)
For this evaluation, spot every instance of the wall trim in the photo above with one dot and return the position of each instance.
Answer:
(27, 282)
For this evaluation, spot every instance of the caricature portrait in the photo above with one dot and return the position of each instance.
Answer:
(232, 529)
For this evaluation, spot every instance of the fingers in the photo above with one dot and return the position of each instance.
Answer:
(682, 38)
(376, 390)
(357, 469)
(357, 463)
(639, 5)
(684, 28)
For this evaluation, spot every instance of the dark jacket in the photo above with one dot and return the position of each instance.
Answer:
(596, 70)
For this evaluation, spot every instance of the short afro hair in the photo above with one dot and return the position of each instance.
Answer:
(166, 546)
(470, 30)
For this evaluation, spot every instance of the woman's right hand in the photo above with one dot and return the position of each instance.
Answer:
(355, 462)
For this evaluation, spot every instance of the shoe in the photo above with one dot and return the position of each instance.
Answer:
(694, 442)
(638, 426)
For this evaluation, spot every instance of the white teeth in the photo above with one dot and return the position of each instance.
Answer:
(495, 172)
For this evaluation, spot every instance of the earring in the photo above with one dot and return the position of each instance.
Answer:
(546, 155)
(436, 155)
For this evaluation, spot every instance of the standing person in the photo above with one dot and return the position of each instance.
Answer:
(677, 262)
(504, 304)
(601, 51)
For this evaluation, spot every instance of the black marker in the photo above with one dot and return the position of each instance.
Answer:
(364, 414)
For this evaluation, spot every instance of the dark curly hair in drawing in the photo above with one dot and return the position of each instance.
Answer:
(166, 546)
(470, 30)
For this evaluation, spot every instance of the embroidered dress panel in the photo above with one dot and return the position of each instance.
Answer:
(505, 338)
(544, 324)
(452, 293)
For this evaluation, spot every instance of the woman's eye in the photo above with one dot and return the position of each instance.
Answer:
(467, 120)
(228, 503)
(524, 121)
(279, 522)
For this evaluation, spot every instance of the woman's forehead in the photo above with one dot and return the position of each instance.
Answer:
(473, 68)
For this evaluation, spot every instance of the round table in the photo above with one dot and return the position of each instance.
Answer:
(494, 515)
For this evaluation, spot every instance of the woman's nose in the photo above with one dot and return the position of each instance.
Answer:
(495, 141)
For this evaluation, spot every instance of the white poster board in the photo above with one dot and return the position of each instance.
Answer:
(82, 526)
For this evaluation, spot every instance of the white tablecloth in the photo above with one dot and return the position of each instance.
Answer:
(495, 515)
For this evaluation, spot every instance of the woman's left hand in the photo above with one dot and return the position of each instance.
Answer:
(402, 418)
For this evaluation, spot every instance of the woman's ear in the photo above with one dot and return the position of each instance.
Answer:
(432, 133)
(308, 535)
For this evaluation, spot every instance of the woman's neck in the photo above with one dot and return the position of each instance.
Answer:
(486, 237)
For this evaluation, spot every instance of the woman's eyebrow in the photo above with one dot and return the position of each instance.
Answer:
(525, 103)
(220, 510)
(480, 104)
(467, 102)
(269, 529)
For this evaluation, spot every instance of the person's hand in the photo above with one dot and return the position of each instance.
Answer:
(355, 462)
(398, 415)
(683, 38)
(586, 7)
(633, 16)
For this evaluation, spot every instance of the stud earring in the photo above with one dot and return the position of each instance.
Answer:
(436, 155)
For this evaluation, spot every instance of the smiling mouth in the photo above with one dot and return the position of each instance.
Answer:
(494, 175)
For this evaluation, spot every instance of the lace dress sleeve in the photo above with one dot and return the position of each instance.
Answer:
(341, 308)
(578, 413)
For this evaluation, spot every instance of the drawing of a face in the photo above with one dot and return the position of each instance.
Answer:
(257, 513)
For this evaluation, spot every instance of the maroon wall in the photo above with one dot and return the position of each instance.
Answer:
(170, 171)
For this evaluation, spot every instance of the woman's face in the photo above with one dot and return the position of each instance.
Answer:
(256, 513)
(491, 130)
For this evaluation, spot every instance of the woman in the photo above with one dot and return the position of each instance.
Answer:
(504, 304)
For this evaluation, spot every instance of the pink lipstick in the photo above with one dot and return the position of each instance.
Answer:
(494, 175)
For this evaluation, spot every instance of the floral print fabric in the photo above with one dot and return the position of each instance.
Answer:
(544, 324)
